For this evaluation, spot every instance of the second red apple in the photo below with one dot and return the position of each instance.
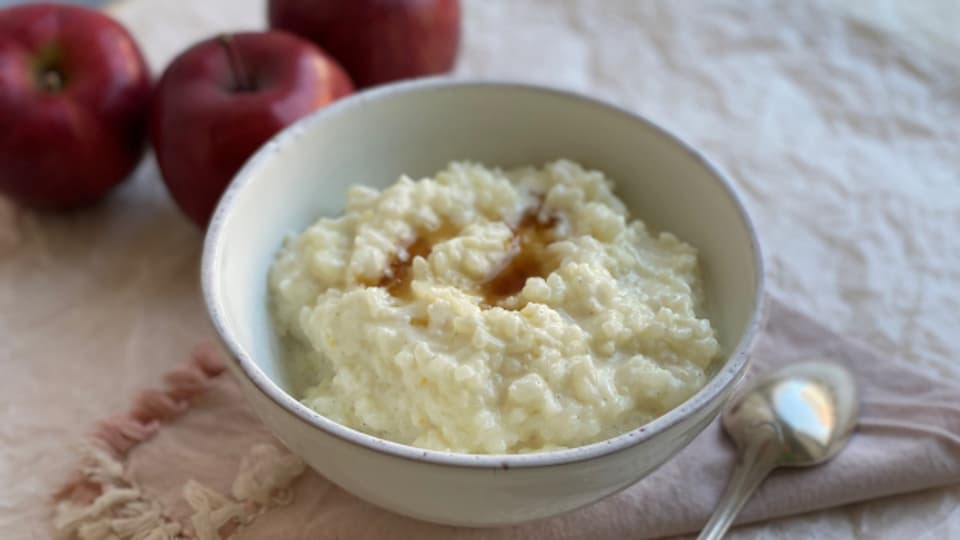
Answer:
(220, 100)
(377, 41)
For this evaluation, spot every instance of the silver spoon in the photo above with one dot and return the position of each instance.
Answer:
(799, 416)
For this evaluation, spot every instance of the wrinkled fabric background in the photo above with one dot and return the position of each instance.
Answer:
(837, 124)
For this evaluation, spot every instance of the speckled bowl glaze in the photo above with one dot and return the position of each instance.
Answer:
(417, 128)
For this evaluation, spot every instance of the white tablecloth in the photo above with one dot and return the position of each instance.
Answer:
(839, 125)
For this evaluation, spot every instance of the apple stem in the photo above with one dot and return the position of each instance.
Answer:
(239, 74)
(52, 80)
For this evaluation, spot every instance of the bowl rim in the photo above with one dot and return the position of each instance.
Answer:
(726, 376)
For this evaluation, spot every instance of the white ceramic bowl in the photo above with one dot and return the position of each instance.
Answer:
(417, 128)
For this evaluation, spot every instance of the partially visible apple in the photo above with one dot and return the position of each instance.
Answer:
(377, 41)
(223, 98)
(74, 96)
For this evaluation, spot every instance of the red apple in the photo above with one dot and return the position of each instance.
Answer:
(377, 41)
(223, 98)
(74, 97)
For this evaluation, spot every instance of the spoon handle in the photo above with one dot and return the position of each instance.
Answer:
(754, 463)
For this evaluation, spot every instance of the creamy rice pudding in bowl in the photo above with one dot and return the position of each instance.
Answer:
(482, 303)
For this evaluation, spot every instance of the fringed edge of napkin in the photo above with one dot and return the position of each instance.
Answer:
(99, 501)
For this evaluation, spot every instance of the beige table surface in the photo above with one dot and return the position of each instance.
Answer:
(837, 120)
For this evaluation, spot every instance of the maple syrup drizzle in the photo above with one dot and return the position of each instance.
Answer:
(399, 276)
(526, 257)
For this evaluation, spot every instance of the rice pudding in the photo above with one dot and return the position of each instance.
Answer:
(491, 311)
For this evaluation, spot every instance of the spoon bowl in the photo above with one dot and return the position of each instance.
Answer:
(800, 416)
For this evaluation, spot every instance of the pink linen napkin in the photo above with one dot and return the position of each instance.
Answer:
(212, 471)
